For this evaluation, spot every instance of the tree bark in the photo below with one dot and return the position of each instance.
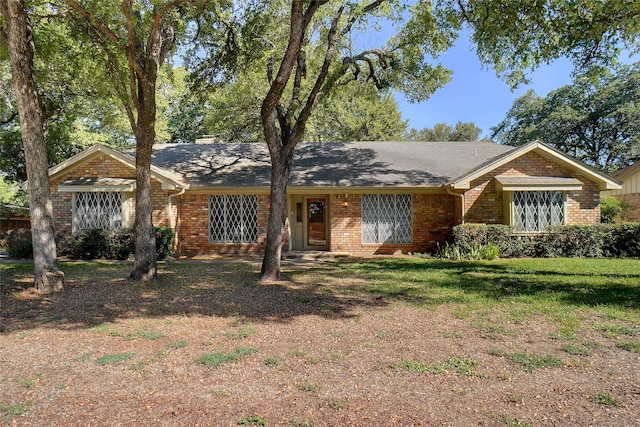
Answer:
(280, 170)
(145, 264)
(46, 273)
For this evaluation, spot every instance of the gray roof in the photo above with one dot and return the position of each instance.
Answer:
(341, 164)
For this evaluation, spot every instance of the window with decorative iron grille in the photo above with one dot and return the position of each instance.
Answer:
(101, 209)
(233, 218)
(535, 211)
(386, 218)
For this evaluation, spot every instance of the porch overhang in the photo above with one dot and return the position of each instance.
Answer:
(537, 183)
(97, 184)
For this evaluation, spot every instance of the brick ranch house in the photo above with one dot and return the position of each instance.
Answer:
(630, 191)
(357, 197)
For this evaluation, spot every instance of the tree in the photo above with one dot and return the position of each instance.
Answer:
(140, 38)
(47, 276)
(77, 109)
(351, 112)
(399, 64)
(596, 118)
(443, 132)
(519, 35)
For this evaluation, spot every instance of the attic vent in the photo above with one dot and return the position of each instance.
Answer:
(208, 139)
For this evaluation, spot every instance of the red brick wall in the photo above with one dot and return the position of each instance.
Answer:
(485, 204)
(433, 217)
(192, 228)
(100, 166)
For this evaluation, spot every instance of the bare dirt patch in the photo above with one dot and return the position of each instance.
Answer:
(301, 352)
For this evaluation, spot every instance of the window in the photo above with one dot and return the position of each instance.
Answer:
(233, 219)
(535, 211)
(386, 218)
(101, 209)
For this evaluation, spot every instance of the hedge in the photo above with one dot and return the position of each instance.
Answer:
(92, 244)
(600, 240)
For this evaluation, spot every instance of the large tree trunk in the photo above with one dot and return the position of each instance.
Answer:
(280, 170)
(145, 265)
(47, 276)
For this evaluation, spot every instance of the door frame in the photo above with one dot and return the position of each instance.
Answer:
(305, 227)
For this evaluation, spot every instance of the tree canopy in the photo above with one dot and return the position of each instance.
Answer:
(596, 118)
(443, 132)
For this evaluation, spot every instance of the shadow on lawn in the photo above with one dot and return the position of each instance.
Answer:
(97, 293)
(493, 281)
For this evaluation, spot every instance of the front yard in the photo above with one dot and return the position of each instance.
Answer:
(389, 341)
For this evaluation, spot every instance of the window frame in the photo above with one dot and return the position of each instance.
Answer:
(397, 217)
(248, 234)
(541, 226)
(100, 224)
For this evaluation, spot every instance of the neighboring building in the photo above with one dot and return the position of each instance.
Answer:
(13, 217)
(630, 191)
(358, 197)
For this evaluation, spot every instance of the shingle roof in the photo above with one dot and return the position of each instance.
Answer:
(343, 164)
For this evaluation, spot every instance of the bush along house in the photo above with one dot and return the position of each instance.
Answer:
(360, 198)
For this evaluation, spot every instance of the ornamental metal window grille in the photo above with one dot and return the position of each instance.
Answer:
(535, 211)
(233, 219)
(97, 210)
(386, 218)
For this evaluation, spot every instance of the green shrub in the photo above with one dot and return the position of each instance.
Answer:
(164, 242)
(612, 209)
(19, 243)
(108, 244)
(476, 241)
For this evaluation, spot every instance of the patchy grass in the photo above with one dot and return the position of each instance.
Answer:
(9, 412)
(114, 359)
(219, 358)
(459, 365)
(255, 420)
(606, 399)
(344, 322)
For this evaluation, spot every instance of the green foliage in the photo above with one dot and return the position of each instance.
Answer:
(519, 35)
(461, 365)
(11, 194)
(12, 411)
(609, 240)
(109, 244)
(606, 399)
(612, 209)
(443, 132)
(595, 119)
(530, 362)
(164, 242)
(19, 243)
(351, 112)
(114, 359)
(221, 357)
(255, 420)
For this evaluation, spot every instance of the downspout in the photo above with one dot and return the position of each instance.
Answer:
(461, 195)
(170, 216)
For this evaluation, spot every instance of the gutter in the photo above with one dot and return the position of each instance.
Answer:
(170, 205)
(461, 195)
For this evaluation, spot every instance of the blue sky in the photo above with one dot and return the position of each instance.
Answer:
(475, 94)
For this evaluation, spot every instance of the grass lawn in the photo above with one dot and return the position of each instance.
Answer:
(330, 344)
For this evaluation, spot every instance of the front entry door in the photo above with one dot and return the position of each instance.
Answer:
(316, 222)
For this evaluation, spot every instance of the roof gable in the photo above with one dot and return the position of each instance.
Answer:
(168, 179)
(624, 173)
(604, 181)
